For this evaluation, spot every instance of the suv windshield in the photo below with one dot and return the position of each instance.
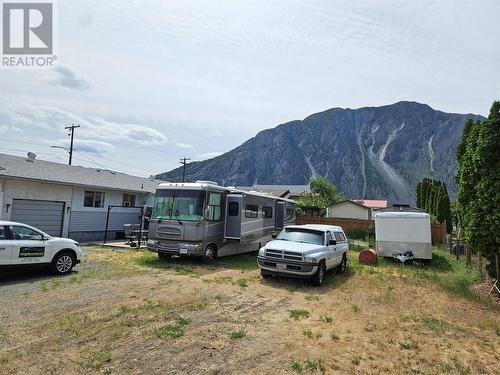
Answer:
(301, 235)
(184, 205)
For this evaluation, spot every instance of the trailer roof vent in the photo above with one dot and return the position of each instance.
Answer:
(31, 157)
(207, 182)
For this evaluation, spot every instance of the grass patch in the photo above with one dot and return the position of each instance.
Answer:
(326, 318)
(312, 297)
(242, 283)
(172, 330)
(297, 314)
(407, 345)
(307, 333)
(4, 358)
(334, 336)
(356, 361)
(95, 360)
(435, 324)
(238, 334)
(309, 364)
(355, 308)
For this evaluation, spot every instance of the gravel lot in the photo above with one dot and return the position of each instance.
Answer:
(125, 312)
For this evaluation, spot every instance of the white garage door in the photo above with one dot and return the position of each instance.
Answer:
(44, 215)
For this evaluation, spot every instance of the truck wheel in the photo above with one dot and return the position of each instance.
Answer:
(164, 256)
(343, 265)
(319, 276)
(63, 263)
(210, 253)
(264, 274)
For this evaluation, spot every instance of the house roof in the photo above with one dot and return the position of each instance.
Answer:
(371, 203)
(47, 171)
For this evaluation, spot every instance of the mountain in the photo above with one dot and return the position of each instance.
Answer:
(371, 152)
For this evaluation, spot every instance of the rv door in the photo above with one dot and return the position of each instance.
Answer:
(233, 217)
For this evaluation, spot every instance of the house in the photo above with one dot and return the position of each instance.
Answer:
(282, 191)
(70, 201)
(355, 208)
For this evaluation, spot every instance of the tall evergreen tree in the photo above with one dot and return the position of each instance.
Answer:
(479, 191)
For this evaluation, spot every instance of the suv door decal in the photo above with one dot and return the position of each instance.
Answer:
(31, 252)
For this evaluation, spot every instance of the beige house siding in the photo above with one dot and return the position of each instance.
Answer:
(348, 210)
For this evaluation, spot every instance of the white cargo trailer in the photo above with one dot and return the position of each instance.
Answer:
(403, 235)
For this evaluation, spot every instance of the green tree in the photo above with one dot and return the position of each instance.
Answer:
(479, 186)
(322, 195)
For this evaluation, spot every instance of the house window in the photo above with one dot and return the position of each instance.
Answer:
(251, 211)
(93, 199)
(268, 211)
(128, 200)
(214, 206)
(234, 209)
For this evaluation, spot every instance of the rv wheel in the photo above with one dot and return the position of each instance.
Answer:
(210, 253)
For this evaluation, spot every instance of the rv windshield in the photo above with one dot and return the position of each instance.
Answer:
(301, 235)
(184, 205)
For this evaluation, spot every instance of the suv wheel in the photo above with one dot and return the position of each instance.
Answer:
(63, 263)
(319, 276)
(343, 265)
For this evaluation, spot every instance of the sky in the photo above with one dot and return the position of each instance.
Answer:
(150, 82)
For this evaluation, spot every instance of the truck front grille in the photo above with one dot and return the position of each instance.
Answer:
(168, 232)
(281, 254)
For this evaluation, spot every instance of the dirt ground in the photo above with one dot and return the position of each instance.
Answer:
(125, 312)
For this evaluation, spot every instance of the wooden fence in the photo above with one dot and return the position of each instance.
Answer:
(438, 231)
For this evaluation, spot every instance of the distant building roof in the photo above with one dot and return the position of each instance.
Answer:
(47, 171)
(371, 203)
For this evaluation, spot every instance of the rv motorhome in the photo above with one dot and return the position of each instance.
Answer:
(208, 220)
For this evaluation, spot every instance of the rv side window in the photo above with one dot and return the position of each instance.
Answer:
(214, 206)
(268, 211)
(289, 212)
(234, 208)
(339, 236)
(251, 211)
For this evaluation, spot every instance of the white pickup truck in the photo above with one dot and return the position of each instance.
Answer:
(305, 251)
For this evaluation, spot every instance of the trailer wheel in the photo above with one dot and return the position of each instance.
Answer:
(319, 276)
(210, 253)
(343, 265)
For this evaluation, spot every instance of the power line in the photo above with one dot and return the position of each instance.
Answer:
(72, 133)
(184, 161)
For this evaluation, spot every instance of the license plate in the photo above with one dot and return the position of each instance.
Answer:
(281, 266)
(183, 251)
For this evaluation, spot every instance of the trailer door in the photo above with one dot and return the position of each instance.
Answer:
(233, 217)
(280, 212)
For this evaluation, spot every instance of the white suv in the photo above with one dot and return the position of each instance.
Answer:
(23, 245)
(305, 251)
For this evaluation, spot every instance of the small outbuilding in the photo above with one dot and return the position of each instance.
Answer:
(403, 231)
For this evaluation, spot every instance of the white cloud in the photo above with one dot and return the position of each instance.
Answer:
(183, 145)
(209, 155)
(98, 128)
(10, 129)
(67, 78)
(87, 146)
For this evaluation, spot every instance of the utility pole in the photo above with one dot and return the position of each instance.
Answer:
(72, 133)
(184, 161)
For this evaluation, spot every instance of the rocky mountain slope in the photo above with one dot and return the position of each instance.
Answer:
(371, 152)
